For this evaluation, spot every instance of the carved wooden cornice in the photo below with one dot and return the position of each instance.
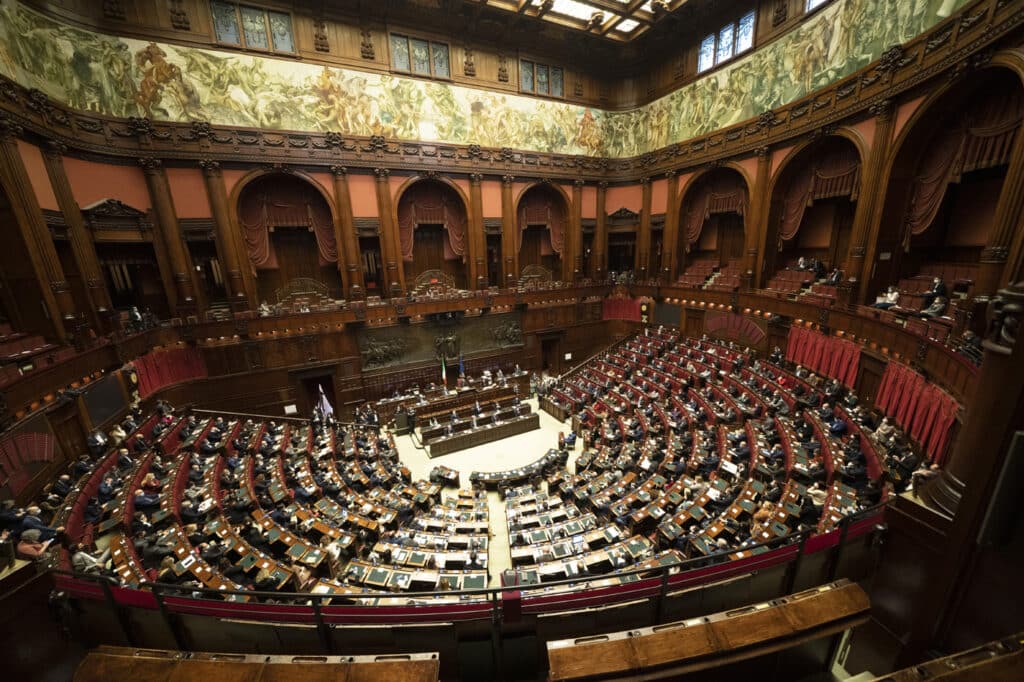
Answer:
(955, 47)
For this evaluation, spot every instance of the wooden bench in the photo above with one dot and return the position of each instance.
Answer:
(706, 642)
(120, 663)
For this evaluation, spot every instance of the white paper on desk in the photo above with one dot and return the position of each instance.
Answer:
(188, 561)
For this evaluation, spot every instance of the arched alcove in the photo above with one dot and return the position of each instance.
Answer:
(433, 234)
(945, 182)
(542, 218)
(711, 229)
(813, 202)
(288, 235)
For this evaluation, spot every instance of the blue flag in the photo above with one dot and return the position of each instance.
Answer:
(462, 367)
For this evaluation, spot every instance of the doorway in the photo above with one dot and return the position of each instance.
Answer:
(551, 354)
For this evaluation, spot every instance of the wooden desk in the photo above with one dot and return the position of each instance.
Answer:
(701, 643)
(483, 434)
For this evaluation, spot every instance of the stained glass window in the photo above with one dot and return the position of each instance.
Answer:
(400, 53)
(281, 31)
(542, 79)
(254, 24)
(557, 84)
(440, 54)
(734, 38)
(526, 76)
(420, 57)
(707, 54)
(420, 50)
(225, 23)
(725, 39)
(745, 33)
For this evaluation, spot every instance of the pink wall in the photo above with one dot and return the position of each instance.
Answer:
(363, 194)
(866, 130)
(92, 182)
(904, 113)
(490, 192)
(659, 195)
(749, 166)
(188, 190)
(326, 182)
(589, 202)
(778, 156)
(629, 196)
(231, 178)
(36, 167)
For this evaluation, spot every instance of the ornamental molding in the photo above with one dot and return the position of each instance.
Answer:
(953, 48)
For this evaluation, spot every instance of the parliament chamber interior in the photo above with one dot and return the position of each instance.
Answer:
(512, 340)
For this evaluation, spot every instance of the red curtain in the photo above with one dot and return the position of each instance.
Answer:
(923, 410)
(159, 368)
(833, 175)
(287, 203)
(621, 309)
(541, 208)
(825, 355)
(430, 203)
(724, 194)
(979, 138)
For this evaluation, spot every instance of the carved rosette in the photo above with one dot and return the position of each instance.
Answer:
(150, 165)
(339, 171)
(507, 180)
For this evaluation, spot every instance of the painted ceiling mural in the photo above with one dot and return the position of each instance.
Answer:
(127, 77)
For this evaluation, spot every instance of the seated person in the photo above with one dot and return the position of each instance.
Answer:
(31, 546)
(937, 308)
(144, 500)
(888, 299)
(84, 562)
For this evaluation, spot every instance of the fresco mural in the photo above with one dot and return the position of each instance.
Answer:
(127, 77)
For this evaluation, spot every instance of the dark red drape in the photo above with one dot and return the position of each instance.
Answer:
(431, 203)
(286, 202)
(159, 368)
(923, 410)
(834, 174)
(827, 355)
(621, 309)
(981, 137)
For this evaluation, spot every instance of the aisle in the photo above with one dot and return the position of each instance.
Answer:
(508, 453)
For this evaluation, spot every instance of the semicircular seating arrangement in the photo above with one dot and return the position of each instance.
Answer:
(691, 454)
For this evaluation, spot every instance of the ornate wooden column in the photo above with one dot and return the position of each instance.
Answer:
(572, 263)
(1006, 236)
(28, 218)
(643, 240)
(964, 489)
(241, 290)
(670, 237)
(599, 261)
(476, 240)
(82, 246)
(755, 221)
(394, 270)
(870, 202)
(509, 241)
(178, 260)
(349, 256)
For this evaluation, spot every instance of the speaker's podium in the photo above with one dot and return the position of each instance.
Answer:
(404, 422)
